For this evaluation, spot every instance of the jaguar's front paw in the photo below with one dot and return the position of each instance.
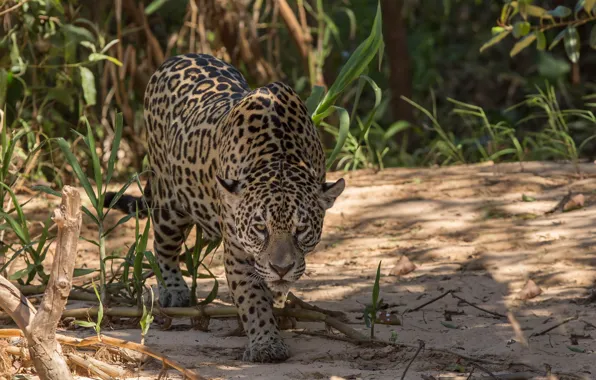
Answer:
(178, 296)
(272, 351)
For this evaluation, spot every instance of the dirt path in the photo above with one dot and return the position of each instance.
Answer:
(466, 229)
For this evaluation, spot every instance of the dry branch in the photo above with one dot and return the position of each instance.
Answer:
(45, 352)
(90, 367)
(554, 326)
(299, 35)
(40, 328)
(478, 307)
(109, 341)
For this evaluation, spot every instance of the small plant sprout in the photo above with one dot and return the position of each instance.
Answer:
(147, 318)
(95, 325)
(370, 312)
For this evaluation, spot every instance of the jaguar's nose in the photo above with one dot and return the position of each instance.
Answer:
(281, 270)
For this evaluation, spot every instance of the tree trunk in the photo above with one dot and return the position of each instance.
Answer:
(396, 46)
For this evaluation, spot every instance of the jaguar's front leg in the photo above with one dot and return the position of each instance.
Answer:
(255, 308)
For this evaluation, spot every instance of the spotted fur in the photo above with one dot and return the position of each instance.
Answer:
(245, 166)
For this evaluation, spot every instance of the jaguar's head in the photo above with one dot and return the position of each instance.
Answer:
(278, 214)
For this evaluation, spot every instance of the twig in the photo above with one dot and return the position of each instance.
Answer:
(471, 373)
(306, 306)
(14, 7)
(81, 362)
(484, 370)
(567, 320)
(429, 302)
(109, 341)
(478, 307)
(420, 348)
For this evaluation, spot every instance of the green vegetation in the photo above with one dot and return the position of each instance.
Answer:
(72, 77)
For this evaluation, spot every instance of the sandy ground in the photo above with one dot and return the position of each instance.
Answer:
(466, 229)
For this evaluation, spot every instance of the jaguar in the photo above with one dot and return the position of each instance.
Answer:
(245, 166)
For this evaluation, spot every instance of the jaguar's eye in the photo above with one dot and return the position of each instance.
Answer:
(261, 227)
(300, 229)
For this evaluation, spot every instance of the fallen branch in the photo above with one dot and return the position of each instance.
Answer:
(295, 301)
(478, 307)
(429, 302)
(567, 320)
(109, 341)
(420, 348)
(90, 367)
(489, 373)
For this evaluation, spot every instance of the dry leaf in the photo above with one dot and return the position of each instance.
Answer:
(529, 291)
(576, 202)
(403, 266)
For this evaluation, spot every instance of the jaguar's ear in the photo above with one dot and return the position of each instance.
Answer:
(229, 190)
(330, 192)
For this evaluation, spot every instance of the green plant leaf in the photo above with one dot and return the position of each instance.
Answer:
(119, 126)
(376, 287)
(93, 57)
(541, 40)
(96, 165)
(109, 45)
(46, 189)
(449, 325)
(99, 310)
(154, 6)
(78, 272)
(522, 44)
(527, 198)
(356, 65)
(558, 38)
(572, 44)
(560, 11)
(65, 147)
(153, 263)
(521, 29)
(85, 324)
(495, 40)
(214, 290)
(77, 33)
(576, 349)
(88, 84)
(317, 93)
(344, 129)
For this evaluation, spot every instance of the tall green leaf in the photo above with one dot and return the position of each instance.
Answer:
(88, 84)
(65, 147)
(355, 66)
(344, 129)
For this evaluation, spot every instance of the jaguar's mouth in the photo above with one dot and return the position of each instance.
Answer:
(279, 285)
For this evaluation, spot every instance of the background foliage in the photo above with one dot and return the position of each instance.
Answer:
(450, 82)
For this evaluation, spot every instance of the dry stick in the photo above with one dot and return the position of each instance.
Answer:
(306, 306)
(476, 365)
(478, 307)
(420, 348)
(555, 326)
(83, 363)
(429, 302)
(40, 328)
(109, 341)
(41, 339)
